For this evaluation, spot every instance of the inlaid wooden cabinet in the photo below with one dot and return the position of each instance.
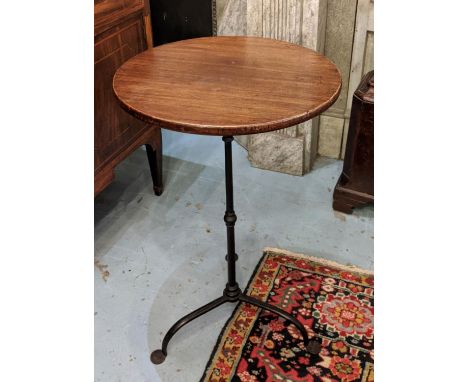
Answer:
(121, 30)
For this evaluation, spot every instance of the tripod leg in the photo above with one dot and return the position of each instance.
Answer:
(313, 346)
(158, 356)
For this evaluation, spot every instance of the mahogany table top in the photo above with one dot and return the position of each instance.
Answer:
(227, 85)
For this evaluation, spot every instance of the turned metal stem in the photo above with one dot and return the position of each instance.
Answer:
(230, 220)
(232, 292)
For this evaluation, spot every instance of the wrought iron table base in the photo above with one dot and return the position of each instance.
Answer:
(232, 292)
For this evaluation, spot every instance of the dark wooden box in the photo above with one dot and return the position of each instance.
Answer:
(355, 187)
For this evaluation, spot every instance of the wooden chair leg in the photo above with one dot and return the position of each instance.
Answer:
(155, 159)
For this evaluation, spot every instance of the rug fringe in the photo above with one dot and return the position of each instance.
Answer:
(320, 260)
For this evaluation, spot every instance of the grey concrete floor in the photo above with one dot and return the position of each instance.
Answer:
(158, 258)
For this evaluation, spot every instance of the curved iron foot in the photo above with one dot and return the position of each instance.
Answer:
(158, 356)
(313, 346)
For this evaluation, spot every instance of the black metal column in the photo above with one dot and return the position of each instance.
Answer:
(232, 290)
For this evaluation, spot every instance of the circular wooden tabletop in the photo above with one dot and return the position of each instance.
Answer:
(227, 85)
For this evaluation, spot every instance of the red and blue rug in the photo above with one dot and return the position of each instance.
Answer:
(334, 302)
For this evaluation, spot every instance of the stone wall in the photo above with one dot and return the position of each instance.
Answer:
(292, 150)
(349, 43)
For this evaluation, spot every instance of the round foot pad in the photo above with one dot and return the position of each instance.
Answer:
(158, 190)
(158, 357)
(314, 347)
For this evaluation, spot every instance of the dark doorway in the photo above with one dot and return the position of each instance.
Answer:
(174, 20)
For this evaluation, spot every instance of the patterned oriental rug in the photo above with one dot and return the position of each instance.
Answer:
(333, 301)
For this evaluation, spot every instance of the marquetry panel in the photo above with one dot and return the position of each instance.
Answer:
(122, 29)
(114, 127)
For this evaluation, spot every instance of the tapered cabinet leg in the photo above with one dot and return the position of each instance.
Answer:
(155, 159)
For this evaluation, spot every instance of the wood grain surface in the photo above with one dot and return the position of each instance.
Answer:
(227, 85)
(120, 32)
